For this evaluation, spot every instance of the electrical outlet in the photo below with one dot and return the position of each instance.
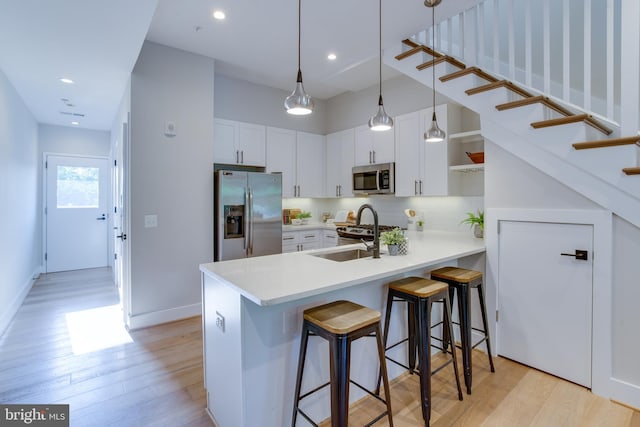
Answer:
(220, 321)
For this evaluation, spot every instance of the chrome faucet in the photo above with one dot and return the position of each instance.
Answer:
(376, 230)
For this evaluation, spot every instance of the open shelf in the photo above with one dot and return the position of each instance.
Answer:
(473, 167)
(470, 136)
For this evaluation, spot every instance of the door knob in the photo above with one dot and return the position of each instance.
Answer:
(123, 236)
(102, 218)
(580, 254)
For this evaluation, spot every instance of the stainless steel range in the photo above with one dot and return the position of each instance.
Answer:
(350, 234)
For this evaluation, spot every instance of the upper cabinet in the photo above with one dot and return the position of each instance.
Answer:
(339, 161)
(373, 147)
(299, 156)
(239, 143)
(422, 169)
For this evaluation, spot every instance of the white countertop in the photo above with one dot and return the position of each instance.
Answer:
(309, 226)
(275, 279)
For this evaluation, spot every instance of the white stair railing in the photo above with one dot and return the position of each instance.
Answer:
(570, 50)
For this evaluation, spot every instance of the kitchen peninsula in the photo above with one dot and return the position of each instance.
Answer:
(252, 315)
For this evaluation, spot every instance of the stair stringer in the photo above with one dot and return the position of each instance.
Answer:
(596, 176)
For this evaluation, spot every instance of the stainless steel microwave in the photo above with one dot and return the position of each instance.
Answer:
(374, 179)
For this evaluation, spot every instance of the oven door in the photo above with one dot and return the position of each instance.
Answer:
(347, 241)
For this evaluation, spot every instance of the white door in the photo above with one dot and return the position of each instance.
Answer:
(77, 190)
(545, 298)
(119, 217)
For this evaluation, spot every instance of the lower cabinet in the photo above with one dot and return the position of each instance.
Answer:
(329, 238)
(296, 241)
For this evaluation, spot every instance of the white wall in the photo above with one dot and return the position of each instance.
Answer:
(253, 103)
(68, 140)
(512, 183)
(171, 177)
(20, 213)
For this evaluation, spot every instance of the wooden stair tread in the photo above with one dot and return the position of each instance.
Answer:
(520, 103)
(341, 317)
(439, 59)
(575, 118)
(418, 286)
(498, 84)
(469, 70)
(628, 140)
(631, 171)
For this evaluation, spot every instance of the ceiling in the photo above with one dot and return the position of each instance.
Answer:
(96, 43)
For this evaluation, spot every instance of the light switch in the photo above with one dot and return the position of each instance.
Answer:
(150, 221)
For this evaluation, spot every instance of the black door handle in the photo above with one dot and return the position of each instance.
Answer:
(122, 236)
(580, 254)
(102, 218)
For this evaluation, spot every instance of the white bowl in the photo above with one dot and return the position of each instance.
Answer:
(296, 221)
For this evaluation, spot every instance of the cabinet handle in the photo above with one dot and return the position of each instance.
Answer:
(415, 187)
(242, 156)
(421, 187)
(287, 238)
(298, 191)
(237, 156)
(370, 158)
(339, 190)
(336, 191)
(309, 236)
(374, 156)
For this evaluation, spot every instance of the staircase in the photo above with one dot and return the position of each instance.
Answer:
(582, 149)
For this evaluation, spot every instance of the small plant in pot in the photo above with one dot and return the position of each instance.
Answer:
(304, 217)
(475, 220)
(419, 225)
(392, 239)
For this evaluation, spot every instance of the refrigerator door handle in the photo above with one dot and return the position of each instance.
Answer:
(250, 249)
(247, 220)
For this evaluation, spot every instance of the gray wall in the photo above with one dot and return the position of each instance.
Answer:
(253, 103)
(512, 183)
(171, 177)
(68, 140)
(20, 213)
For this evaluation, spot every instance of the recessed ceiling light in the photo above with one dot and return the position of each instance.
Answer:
(66, 80)
(75, 123)
(219, 15)
(331, 57)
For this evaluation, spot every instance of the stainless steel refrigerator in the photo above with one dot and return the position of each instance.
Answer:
(248, 214)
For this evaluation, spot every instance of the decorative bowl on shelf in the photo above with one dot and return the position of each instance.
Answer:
(296, 221)
(477, 157)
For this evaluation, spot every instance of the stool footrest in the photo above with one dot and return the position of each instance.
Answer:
(302, 396)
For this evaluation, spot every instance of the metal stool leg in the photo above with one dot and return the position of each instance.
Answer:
(449, 328)
(485, 324)
(304, 339)
(424, 356)
(385, 377)
(464, 313)
(339, 365)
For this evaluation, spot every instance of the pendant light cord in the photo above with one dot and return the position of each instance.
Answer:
(433, 65)
(299, 31)
(380, 48)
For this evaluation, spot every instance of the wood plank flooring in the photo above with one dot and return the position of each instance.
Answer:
(156, 379)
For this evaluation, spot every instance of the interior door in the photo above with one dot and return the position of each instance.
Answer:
(545, 297)
(77, 190)
(119, 212)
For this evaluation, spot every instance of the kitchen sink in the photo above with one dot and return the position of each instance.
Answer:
(347, 255)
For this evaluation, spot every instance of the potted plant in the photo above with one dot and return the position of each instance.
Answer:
(304, 217)
(392, 239)
(476, 220)
(419, 225)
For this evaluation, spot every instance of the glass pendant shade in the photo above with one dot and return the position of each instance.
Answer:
(299, 103)
(381, 121)
(434, 133)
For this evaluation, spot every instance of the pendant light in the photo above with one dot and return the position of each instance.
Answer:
(434, 133)
(299, 103)
(381, 121)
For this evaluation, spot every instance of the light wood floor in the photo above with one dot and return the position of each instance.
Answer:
(156, 380)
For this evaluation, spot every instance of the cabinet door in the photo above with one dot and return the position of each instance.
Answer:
(363, 152)
(407, 129)
(329, 238)
(252, 144)
(339, 161)
(281, 157)
(383, 146)
(225, 140)
(373, 147)
(310, 164)
(436, 157)
(290, 241)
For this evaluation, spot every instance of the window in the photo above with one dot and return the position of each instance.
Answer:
(77, 187)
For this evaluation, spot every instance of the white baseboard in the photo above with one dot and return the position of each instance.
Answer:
(625, 393)
(164, 316)
(13, 307)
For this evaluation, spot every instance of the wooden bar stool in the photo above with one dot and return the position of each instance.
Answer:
(463, 281)
(420, 293)
(340, 323)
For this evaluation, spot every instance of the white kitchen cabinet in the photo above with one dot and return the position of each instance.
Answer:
(239, 143)
(329, 238)
(310, 164)
(339, 161)
(422, 168)
(373, 147)
(299, 156)
(296, 241)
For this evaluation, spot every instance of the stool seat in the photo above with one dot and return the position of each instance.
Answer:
(341, 317)
(460, 275)
(418, 286)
